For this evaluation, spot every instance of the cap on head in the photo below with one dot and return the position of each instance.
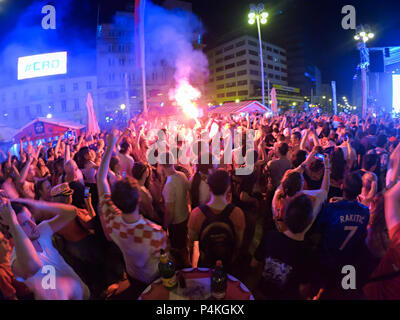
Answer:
(62, 189)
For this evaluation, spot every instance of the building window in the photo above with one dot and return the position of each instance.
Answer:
(254, 72)
(76, 104)
(228, 48)
(277, 68)
(230, 75)
(283, 70)
(269, 49)
(252, 43)
(240, 53)
(39, 109)
(228, 57)
(62, 88)
(231, 94)
(122, 62)
(243, 93)
(270, 75)
(231, 84)
(240, 43)
(75, 85)
(218, 52)
(277, 77)
(220, 95)
(220, 86)
(220, 78)
(242, 83)
(49, 89)
(269, 58)
(270, 66)
(219, 60)
(254, 63)
(284, 78)
(219, 69)
(241, 63)
(63, 105)
(241, 72)
(229, 66)
(88, 85)
(282, 53)
(253, 53)
(276, 51)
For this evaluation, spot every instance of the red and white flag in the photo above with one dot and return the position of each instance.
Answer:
(92, 124)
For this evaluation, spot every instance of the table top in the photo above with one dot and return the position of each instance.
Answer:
(198, 287)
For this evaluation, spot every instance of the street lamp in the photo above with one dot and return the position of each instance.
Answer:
(257, 14)
(362, 36)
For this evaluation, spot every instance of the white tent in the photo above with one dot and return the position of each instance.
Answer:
(239, 107)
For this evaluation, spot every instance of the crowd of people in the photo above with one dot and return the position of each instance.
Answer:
(317, 216)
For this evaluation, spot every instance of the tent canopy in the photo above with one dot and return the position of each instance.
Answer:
(239, 107)
(42, 128)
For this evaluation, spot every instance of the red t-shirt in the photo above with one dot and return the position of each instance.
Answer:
(388, 289)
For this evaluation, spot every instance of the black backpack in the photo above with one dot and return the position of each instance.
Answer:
(217, 240)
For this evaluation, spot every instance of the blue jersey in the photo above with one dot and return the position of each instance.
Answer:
(344, 227)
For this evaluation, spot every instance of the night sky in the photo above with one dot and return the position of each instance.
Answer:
(333, 48)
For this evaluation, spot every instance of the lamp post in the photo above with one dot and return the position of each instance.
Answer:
(257, 14)
(362, 36)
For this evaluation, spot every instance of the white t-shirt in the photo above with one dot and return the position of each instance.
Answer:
(68, 285)
(176, 190)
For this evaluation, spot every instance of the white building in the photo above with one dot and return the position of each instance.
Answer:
(52, 96)
(235, 69)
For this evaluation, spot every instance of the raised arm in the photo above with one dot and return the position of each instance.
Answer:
(102, 183)
(25, 170)
(392, 206)
(27, 262)
(326, 180)
(304, 141)
(57, 148)
(62, 213)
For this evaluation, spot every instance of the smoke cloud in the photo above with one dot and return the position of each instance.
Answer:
(169, 37)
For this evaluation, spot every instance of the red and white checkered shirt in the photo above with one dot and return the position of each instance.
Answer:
(139, 242)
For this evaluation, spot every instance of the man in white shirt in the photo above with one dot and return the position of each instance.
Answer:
(34, 259)
(176, 198)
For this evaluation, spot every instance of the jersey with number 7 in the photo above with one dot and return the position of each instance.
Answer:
(343, 226)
